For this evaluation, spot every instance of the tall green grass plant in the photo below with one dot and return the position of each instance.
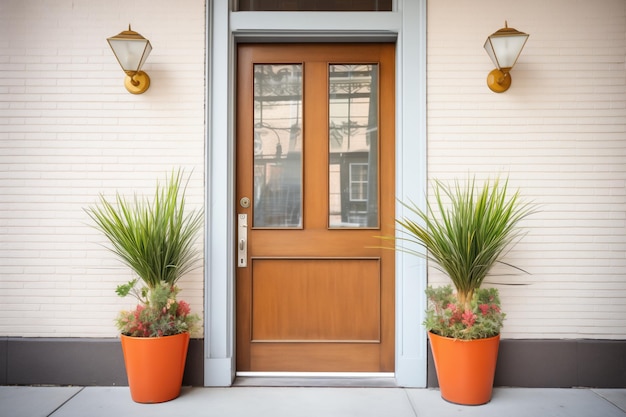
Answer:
(156, 239)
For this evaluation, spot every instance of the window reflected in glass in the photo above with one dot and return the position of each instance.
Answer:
(277, 146)
(353, 146)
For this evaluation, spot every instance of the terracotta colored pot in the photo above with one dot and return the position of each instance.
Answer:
(155, 366)
(465, 368)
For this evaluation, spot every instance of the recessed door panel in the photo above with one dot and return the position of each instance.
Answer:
(323, 300)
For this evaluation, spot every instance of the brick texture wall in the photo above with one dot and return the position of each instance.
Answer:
(559, 133)
(69, 130)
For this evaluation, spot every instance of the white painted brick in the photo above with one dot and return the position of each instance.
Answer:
(69, 131)
(559, 133)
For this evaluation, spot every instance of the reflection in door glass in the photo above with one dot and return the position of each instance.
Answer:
(353, 147)
(277, 145)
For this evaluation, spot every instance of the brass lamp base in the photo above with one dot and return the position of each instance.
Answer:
(498, 81)
(137, 83)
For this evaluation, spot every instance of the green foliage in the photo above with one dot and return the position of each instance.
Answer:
(158, 314)
(466, 231)
(124, 289)
(155, 239)
(447, 317)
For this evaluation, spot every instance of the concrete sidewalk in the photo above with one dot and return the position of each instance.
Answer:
(304, 402)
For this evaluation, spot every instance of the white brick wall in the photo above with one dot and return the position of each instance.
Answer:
(68, 131)
(559, 133)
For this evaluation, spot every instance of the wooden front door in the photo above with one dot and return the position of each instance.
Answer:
(315, 187)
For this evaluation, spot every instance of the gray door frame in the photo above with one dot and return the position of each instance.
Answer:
(407, 26)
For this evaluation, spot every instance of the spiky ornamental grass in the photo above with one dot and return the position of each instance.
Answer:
(155, 239)
(466, 231)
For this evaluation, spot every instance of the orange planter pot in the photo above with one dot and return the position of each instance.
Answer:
(465, 368)
(155, 366)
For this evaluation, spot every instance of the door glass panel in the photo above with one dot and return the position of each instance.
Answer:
(353, 146)
(277, 145)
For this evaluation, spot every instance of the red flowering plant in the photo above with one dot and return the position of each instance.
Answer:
(446, 317)
(158, 314)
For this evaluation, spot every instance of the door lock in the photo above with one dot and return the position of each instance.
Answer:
(242, 240)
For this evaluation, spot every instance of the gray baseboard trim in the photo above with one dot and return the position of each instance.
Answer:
(558, 363)
(537, 363)
(77, 361)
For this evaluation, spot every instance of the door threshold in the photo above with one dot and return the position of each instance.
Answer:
(316, 379)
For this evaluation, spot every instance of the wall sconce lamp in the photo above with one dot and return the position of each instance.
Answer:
(131, 50)
(503, 47)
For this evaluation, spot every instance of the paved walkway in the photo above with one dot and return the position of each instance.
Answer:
(305, 402)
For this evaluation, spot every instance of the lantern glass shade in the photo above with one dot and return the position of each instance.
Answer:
(505, 46)
(131, 50)
(131, 54)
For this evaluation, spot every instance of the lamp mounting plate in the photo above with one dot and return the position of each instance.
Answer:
(137, 83)
(498, 81)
